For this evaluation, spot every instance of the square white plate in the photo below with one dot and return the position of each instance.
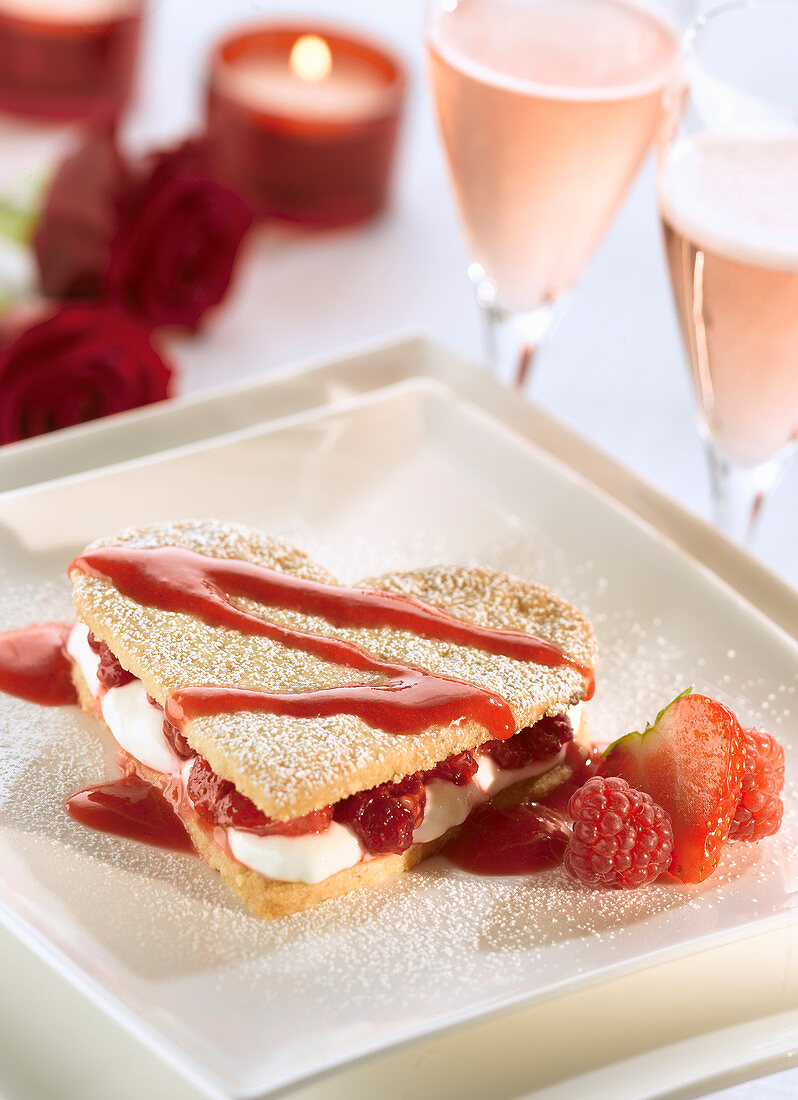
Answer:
(396, 479)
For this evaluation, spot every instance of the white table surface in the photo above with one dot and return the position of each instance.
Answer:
(615, 371)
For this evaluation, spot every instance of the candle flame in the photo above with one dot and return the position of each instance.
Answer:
(310, 58)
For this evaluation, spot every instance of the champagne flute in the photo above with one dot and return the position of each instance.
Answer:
(547, 108)
(728, 199)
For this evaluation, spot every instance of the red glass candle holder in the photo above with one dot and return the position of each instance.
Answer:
(67, 66)
(317, 152)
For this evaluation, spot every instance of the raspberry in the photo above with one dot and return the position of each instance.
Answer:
(767, 746)
(460, 768)
(110, 673)
(177, 740)
(172, 733)
(760, 809)
(620, 838)
(384, 817)
(205, 788)
(238, 812)
(534, 743)
(217, 802)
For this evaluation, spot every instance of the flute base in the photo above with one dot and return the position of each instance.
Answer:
(513, 341)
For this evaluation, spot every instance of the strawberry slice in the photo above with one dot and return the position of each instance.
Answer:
(691, 761)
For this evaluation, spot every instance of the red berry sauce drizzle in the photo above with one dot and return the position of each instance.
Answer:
(34, 665)
(180, 580)
(132, 808)
(509, 840)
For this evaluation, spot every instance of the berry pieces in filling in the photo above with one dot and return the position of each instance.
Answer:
(532, 744)
(110, 673)
(217, 802)
(385, 817)
(460, 769)
(173, 735)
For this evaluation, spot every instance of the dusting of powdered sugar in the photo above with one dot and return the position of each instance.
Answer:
(161, 929)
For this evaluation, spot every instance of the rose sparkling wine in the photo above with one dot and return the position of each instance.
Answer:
(547, 108)
(730, 221)
(727, 177)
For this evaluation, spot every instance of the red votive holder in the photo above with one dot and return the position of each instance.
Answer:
(67, 59)
(303, 121)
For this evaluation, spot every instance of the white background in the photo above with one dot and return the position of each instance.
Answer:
(615, 369)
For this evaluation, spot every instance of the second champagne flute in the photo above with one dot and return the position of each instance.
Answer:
(728, 198)
(547, 108)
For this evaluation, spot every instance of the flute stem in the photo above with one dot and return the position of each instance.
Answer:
(739, 493)
(513, 340)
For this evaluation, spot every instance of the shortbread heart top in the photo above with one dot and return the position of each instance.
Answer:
(289, 765)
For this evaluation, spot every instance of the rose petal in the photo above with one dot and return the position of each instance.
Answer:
(82, 362)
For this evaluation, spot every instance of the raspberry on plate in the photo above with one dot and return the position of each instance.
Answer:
(621, 837)
(760, 808)
(767, 745)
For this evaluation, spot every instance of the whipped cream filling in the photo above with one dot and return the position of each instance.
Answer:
(310, 858)
(137, 725)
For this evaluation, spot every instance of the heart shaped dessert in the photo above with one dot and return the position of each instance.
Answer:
(312, 737)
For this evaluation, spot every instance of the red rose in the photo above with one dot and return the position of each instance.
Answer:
(72, 240)
(178, 237)
(80, 363)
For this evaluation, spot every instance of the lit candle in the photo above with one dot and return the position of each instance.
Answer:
(304, 122)
(67, 58)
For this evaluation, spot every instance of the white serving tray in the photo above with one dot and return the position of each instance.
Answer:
(410, 431)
